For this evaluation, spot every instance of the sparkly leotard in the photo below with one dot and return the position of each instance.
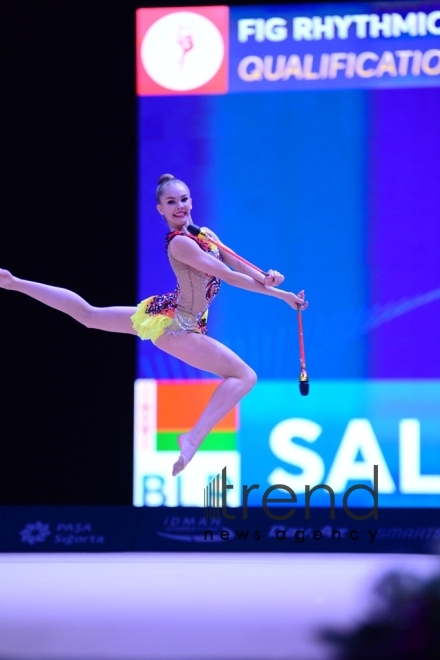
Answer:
(186, 308)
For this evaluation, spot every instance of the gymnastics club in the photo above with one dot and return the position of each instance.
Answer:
(303, 377)
(200, 233)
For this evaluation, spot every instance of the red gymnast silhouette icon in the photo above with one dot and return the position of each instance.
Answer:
(185, 41)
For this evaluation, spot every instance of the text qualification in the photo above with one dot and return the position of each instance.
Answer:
(331, 66)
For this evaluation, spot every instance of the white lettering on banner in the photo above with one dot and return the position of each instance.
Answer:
(361, 21)
(359, 437)
(427, 62)
(386, 64)
(417, 63)
(336, 65)
(269, 74)
(251, 27)
(361, 71)
(431, 22)
(404, 57)
(294, 68)
(302, 29)
(273, 29)
(406, 25)
(310, 462)
(411, 481)
(421, 23)
(362, 26)
(378, 26)
(308, 66)
(251, 68)
(342, 24)
(323, 28)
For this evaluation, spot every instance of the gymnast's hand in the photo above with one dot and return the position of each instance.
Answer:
(295, 300)
(6, 279)
(273, 278)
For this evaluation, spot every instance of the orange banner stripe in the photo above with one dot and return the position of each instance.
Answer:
(179, 405)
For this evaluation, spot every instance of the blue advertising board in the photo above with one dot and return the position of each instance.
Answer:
(328, 174)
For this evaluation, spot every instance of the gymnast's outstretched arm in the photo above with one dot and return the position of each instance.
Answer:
(241, 267)
(111, 319)
(189, 253)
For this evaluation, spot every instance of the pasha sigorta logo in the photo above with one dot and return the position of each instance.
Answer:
(35, 533)
(181, 51)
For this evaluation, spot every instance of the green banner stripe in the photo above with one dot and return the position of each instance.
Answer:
(215, 441)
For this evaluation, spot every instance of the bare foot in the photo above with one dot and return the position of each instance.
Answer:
(6, 279)
(187, 451)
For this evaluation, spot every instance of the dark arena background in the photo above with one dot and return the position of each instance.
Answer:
(313, 147)
(68, 218)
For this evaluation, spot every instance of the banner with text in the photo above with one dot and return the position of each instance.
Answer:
(216, 50)
(333, 438)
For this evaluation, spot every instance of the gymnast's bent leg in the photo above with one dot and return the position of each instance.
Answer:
(210, 355)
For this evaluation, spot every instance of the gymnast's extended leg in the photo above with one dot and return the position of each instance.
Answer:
(210, 355)
(111, 319)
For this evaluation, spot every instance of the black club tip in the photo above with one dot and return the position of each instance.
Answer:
(193, 229)
(304, 387)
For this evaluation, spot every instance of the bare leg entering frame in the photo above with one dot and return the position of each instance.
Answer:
(210, 355)
(111, 319)
(195, 349)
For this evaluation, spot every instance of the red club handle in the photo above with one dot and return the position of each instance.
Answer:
(234, 254)
(302, 355)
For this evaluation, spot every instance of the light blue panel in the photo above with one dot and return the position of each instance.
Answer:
(333, 405)
(287, 190)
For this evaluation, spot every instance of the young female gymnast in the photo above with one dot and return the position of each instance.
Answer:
(176, 322)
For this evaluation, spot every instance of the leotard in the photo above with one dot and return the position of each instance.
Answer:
(186, 308)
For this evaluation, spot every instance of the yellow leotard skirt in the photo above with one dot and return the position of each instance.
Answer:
(150, 326)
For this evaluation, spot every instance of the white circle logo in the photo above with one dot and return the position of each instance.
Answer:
(182, 51)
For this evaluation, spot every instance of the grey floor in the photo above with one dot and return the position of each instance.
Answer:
(185, 606)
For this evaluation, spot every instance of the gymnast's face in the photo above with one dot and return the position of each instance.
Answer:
(175, 205)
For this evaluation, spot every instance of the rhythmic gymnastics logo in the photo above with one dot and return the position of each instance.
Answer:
(181, 52)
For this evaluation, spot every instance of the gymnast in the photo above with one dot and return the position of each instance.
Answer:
(176, 322)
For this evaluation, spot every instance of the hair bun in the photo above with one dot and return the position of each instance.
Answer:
(164, 178)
